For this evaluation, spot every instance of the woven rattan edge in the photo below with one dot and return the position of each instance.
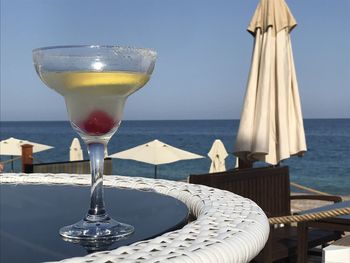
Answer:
(228, 228)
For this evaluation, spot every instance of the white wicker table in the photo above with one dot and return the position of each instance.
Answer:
(228, 227)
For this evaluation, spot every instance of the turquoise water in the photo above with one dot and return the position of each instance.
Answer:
(326, 165)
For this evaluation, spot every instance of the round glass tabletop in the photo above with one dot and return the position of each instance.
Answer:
(31, 216)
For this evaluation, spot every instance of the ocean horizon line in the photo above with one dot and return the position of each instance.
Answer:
(155, 120)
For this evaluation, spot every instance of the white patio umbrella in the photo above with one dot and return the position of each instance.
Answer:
(217, 154)
(12, 147)
(271, 127)
(75, 151)
(156, 153)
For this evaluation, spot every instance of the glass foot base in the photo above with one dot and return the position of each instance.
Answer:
(96, 230)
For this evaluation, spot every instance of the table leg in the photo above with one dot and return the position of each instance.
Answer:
(267, 251)
(302, 242)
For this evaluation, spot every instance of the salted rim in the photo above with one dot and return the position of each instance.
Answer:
(151, 51)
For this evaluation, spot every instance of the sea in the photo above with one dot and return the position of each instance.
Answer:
(325, 166)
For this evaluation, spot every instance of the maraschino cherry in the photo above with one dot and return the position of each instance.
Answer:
(98, 123)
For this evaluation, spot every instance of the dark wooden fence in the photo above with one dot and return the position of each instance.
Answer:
(74, 167)
(269, 187)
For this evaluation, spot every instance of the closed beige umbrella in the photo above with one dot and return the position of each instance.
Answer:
(217, 154)
(156, 153)
(75, 151)
(271, 127)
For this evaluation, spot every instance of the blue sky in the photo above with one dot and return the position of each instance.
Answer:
(204, 54)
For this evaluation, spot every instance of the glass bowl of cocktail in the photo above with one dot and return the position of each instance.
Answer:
(95, 82)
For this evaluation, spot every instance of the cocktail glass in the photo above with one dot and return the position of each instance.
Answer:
(95, 82)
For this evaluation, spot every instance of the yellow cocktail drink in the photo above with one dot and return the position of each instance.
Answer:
(95, 99)
(115, 83)
(95, 82)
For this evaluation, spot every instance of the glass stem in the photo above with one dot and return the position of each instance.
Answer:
(97, 207)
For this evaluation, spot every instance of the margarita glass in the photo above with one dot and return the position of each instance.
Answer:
(95, 82)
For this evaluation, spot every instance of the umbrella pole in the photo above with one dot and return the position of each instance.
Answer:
(12, 169)
(243, 164)
(155, 172)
